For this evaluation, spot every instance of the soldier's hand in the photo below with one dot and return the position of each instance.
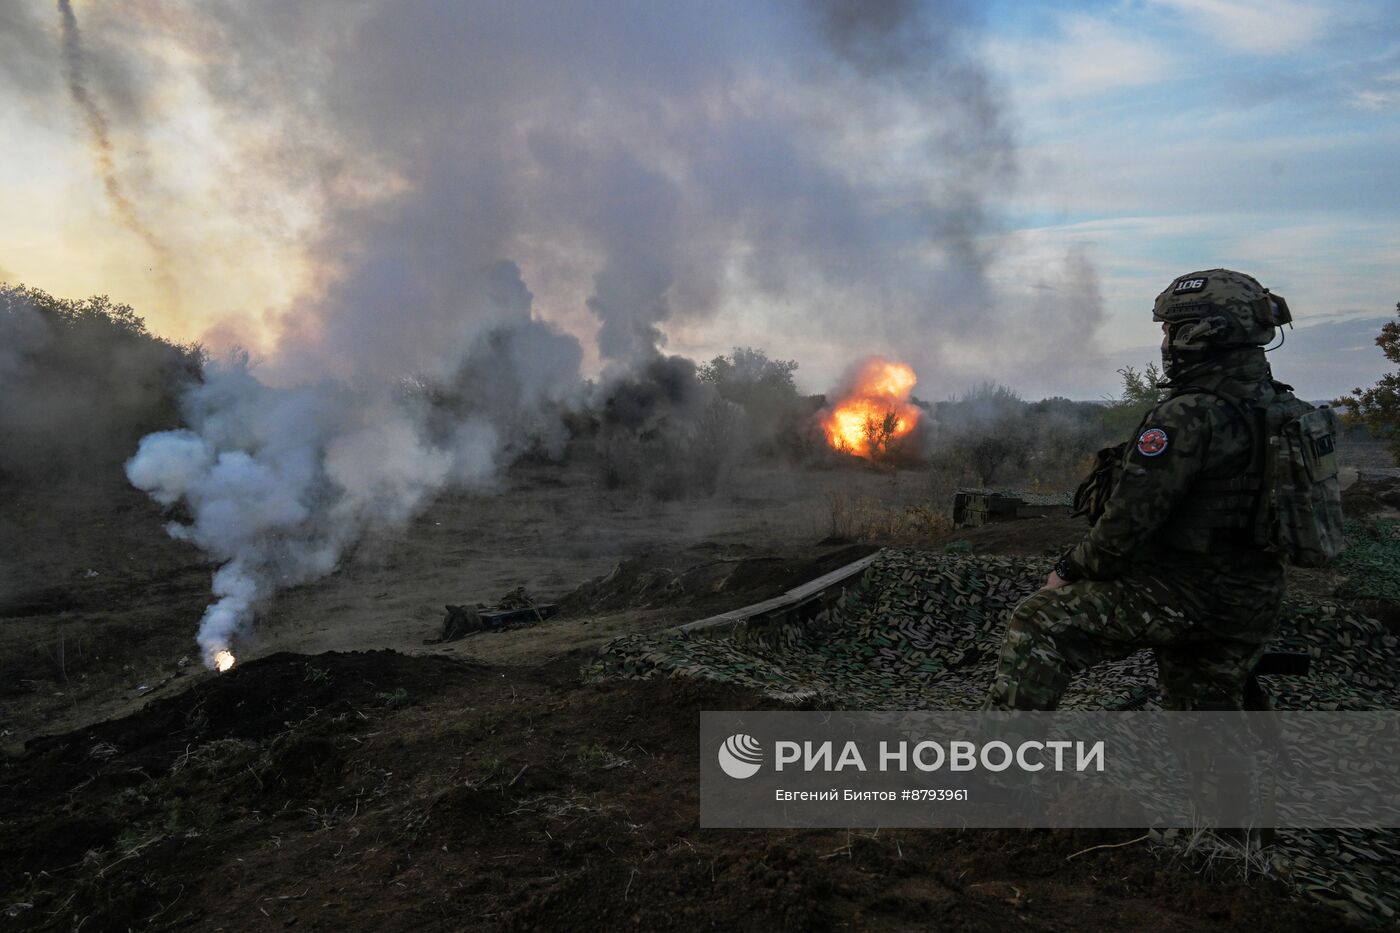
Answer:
(1054, 581)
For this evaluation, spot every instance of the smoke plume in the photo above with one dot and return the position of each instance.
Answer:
(501, 196)
(102, 148)
(819, 171)
(280, 482)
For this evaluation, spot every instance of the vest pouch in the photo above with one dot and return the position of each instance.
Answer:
(1307, 496)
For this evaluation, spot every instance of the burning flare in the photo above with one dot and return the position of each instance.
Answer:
(223, 660)
(874, 411)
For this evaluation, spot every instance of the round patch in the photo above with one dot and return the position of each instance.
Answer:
(1152, 442)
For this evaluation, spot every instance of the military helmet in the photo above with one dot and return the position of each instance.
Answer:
(1219, 308)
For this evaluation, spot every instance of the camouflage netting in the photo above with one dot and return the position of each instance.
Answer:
(1371, 561)
(921, 631)
(1030, 498)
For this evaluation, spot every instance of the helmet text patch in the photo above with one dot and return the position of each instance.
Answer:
(1186, 286)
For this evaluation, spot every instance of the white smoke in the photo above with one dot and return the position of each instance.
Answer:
(666, 175)
(647, 167)
(279, 482)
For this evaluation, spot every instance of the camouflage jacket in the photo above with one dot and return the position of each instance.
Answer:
(1185, 451)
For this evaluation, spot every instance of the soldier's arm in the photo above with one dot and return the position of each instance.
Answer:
(1159, 467)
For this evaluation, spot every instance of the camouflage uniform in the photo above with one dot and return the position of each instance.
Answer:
(1172, 563)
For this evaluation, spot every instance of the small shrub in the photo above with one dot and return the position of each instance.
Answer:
(1141, 391)
(867, 520)
(1377, 408)
(82, 382)
(395, 700)
(592, 755)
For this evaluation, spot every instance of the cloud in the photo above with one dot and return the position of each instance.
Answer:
(1382, 94)
(1090, 57)
(1329, 266)
(1263, 27)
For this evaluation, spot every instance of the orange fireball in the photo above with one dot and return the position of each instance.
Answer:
(874, 411)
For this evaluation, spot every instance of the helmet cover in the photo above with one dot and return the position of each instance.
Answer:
(1219, 308)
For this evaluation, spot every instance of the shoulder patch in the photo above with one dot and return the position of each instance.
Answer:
(1187, 286)
(1152, 442)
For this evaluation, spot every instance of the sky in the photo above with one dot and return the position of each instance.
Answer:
(1177, 135)
(989, 191)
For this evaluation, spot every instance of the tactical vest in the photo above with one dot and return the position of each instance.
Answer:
(1287, 500)
(1303, 513)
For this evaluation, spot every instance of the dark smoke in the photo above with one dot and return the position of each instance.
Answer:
(666, 388)
(504, 193)
(103, 151)
(664, 175)
(646, 166)
(664, 430)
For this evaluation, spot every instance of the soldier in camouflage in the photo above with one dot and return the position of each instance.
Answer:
(1173, 562)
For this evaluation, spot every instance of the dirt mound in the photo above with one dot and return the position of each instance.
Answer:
(259, 699)
(308, 790)
(1372, 494)
(701, 578)
(273, 714)
(1028, 537)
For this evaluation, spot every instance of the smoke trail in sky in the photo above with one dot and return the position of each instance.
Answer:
(103, 150)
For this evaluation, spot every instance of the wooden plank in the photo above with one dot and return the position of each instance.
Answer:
(494, 618)
(793, 597)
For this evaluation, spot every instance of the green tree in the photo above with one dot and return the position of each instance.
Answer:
(81, 380)
(748, 376)
(1141, 391)
(1377, 409)
(765, 390)
(986, 428)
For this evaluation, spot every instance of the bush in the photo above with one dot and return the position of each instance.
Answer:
(766, 392)
(1066, 435)
(675, 458)
(990, 436)
(1141, 391)
(1377, 409)
(82, 381)
(716, 443)
(983, 431)
(622, 459)
(749, 377)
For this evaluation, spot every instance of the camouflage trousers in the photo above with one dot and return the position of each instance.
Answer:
(1205, 649)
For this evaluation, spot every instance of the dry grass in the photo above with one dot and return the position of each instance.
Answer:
(866, 519)
(1214, 854)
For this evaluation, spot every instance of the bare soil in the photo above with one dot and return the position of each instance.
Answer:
(373, 790)
(347, 776)
(98, 606)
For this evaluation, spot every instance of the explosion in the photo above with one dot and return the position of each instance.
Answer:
(874, 411)
(223, 660)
